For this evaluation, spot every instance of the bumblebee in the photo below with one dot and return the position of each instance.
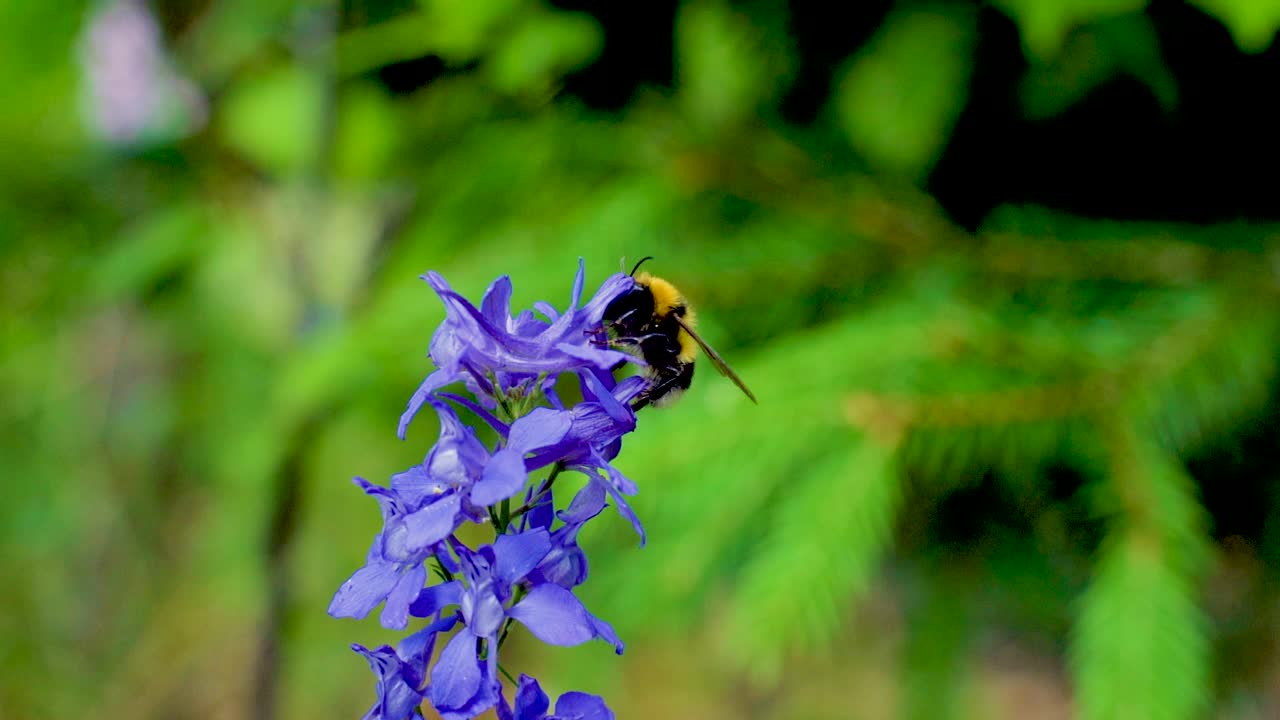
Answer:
(654, 321)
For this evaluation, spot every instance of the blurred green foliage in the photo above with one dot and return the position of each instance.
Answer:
(968, 444)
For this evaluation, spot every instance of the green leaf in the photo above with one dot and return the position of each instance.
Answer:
(1252, 23)
(1045, 24)
(275, 119)
(726, 64)
(899, 98)
(367, 134)
(155, 246)
(542, 48)
(1122, 45)
(458, 32)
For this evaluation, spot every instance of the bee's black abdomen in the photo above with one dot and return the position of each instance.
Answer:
(665, 386)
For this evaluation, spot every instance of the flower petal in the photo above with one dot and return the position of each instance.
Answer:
(395, 613)
(527, 325)
(502, 478)
(434, 381)
(578, 281)
(605, 632)
(415, 485)
(542, 512)
(362, 592)
(432, 523)
(582, 706)
(540, 428)
(469, 317)
(388, 500)
(588, 503)
(517, 555)
(566, 564)
(624, 508)
(416, 649)
(617, 479)
(382, 661)
(458, 455)
(554, 616)
(621, 414)
(531, 702)
(456, 677)
(496, 303)
(548, 310)
(613, 286)
(434, 598)
(597, 356)
(398, 695)
(630, 387)
(493, 422)
(504, 710)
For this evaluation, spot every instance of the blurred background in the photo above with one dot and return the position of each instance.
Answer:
(1004, 276)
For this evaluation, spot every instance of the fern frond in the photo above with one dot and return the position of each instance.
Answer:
(1140, 647)
(939, 630)
(821, 549)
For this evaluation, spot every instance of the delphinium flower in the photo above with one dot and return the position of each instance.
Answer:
(500, 356)
(508, 367)
(532, 704)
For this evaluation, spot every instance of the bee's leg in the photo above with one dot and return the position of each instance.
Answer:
(665, 389)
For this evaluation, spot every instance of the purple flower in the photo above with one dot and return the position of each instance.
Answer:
(511, 364)
(460, 477)
(479, 345)
(463, 682)
(454, 483)
(594, 438)
(399, 685)
(390, 573)
(565, 564)
(426, 503)
(401, 672)
(532, 704)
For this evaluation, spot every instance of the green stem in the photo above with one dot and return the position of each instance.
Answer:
(504, 514)
(546, 488)
(438, 567)
(506, 628)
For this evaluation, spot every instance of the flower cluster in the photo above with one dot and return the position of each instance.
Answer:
(510, 366)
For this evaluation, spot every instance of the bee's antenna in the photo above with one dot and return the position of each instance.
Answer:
(642, 261)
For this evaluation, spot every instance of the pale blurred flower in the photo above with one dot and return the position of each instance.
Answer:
(134, 95)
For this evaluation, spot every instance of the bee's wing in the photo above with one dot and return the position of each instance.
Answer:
(715, 359)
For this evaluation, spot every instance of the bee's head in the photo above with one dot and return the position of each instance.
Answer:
(629, 312)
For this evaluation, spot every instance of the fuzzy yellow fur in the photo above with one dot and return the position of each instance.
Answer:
(665, 299)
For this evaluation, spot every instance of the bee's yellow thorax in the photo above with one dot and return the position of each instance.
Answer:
(665, 295)
(666, 298)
